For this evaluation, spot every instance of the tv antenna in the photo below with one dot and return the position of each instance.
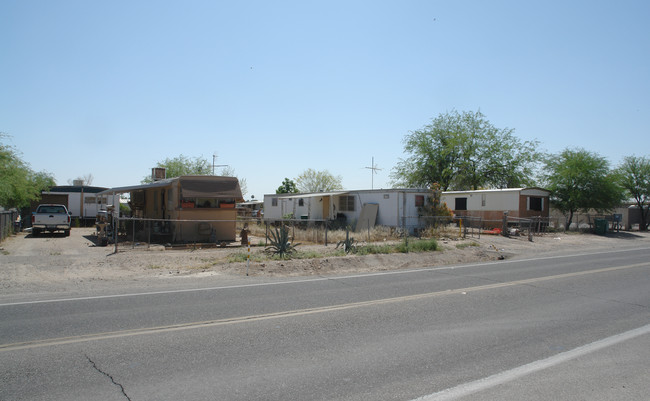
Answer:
(214, 157)
(374, 169)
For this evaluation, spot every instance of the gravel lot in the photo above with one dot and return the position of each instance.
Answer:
(54, 263)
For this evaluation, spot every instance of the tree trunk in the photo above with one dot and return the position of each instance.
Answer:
(568, 223)
(643, 226)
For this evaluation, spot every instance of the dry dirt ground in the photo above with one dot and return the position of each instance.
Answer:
(55, 263)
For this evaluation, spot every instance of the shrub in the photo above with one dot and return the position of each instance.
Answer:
(426, 245)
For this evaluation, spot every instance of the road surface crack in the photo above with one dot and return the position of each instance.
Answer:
(109, 376)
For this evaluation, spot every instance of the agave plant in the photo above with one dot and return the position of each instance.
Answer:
(280, 244)
(348, 243)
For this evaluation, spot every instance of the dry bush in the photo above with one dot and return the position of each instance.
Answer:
(310, 234)
(442, 231)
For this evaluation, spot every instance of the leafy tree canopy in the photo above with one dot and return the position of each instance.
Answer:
(634, 177)
(287, 187)
(19, 185)
(316, 181)
(580, 180)
(463, 151)
(183, 165)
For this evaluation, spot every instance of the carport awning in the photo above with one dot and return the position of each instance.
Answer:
(121, 190)
(207, 186)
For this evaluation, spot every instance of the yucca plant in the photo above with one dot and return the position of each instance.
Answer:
(280, 244)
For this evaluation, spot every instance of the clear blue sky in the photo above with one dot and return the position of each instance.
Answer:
(273, 87)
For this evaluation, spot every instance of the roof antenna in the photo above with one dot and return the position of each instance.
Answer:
(374, 169)
(214, 157)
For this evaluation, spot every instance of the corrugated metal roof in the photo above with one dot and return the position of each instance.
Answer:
(313, 195)
(131, 188)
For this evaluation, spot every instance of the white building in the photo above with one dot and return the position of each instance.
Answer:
(400, 207)
(491, 204)
(358, 208)
(83, 202)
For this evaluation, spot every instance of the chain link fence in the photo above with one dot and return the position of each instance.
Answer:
(8, 223)
(139, 232)
(583, 222)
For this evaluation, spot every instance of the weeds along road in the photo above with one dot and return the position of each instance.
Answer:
(541, 328)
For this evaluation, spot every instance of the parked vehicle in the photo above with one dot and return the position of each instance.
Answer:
(51, 218)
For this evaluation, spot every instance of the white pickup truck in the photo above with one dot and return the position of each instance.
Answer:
(51, 218)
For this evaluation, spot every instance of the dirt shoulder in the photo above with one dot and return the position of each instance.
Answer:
(57, 263)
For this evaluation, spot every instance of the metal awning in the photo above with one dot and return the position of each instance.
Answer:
(198, 186)
(210, 187)
(131, 188)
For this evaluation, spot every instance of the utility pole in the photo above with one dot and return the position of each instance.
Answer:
(374, 169)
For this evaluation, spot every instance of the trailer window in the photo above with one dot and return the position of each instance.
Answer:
(346, 203)
(461, 204)
(206, 203)
(419, 200)
(535, 203)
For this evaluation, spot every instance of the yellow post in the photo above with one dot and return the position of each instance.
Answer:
(248, 257)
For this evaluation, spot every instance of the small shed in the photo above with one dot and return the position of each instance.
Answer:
(187, 209)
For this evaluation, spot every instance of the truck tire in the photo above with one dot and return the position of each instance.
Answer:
(36, 232)
(66, 232)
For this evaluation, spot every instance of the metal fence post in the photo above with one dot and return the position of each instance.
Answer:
(326, 226)
(116, 225)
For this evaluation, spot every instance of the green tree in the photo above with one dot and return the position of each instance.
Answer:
(316, 181)
(435, 207)
(634, 177)
(579, 181)
(464, 151)
(183, 165)
(19, 185)
(287, 187)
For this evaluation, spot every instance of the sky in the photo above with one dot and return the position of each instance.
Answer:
(273, 88)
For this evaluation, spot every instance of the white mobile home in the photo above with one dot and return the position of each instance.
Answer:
(490, 204)
(358, 208)
(83, 202)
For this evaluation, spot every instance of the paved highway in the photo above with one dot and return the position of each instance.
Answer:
(549, 328)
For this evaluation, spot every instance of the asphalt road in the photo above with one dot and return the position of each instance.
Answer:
(570, 327)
